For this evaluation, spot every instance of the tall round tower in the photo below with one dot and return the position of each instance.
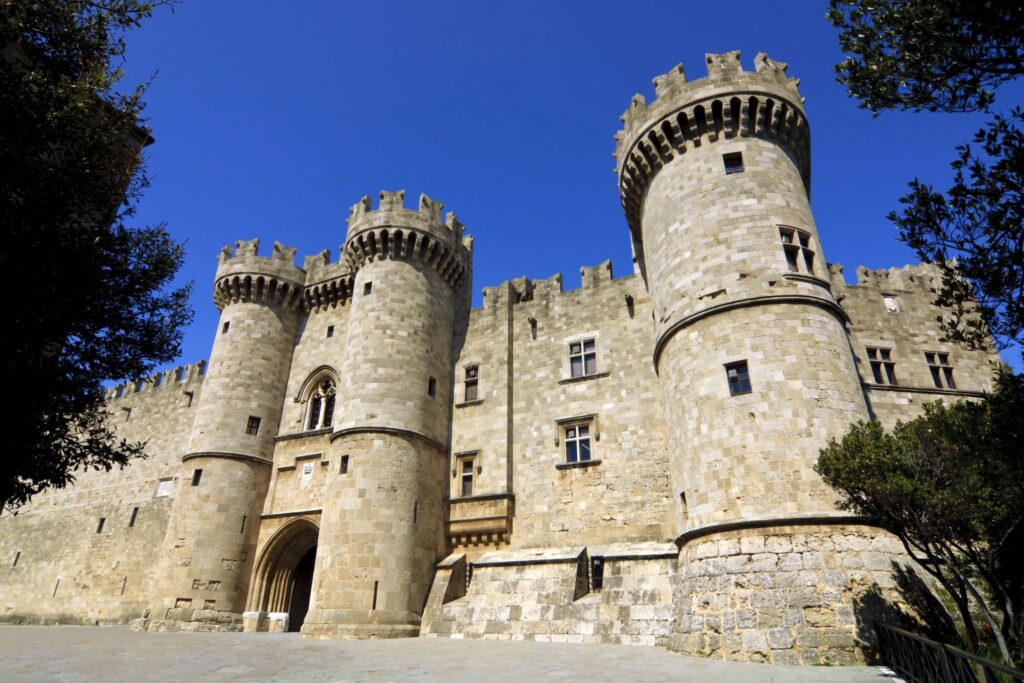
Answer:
(203, 574)
(382, 523)
(751, 350)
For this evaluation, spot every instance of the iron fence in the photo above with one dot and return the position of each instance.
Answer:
(920, 660)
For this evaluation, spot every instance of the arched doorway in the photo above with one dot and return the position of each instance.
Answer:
(283, 576)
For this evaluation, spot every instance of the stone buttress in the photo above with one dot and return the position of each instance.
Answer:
(753, 358)
(202, 577)
(382, 528)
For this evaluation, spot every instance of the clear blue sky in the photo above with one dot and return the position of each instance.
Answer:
(271, 119)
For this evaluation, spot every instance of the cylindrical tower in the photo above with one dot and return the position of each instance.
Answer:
(203, 575)
(382, 523)
(751, 346)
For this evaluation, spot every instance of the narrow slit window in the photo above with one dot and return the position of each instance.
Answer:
(17, 556)
(197, 475)
(344, 464)
(99, 527)
(739, 378)
(135, 515)
(253, 426)
(597, 573)
(733, 163)
(227, 325)
(245, 518)
(472, 378)
(432, 387)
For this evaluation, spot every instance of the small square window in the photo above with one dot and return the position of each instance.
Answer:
(253, 426)
(471, 386)
(583, 358)
(733, 163)
(225, 327)
(330, 331)
(738, 377)
(577, 442)
(197, 475)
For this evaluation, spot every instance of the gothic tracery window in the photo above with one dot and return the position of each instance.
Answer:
(321, 406)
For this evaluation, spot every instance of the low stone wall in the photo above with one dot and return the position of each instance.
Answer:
(785, 595)
(549, 595)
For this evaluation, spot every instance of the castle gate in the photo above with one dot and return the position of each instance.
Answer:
(282, 580)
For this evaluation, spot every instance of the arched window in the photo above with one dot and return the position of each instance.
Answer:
(321, 406)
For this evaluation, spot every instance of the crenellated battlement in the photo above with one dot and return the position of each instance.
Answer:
(728, 103)
(181, 377)
(327, 284)
(918, 276)
(244, 275)
(593, 280)
(395, 232)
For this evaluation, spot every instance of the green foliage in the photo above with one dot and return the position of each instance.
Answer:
(950, 485)
(922, 54)
(975, 233)
(88, 295)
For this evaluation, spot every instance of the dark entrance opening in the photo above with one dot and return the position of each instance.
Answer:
(302, 587)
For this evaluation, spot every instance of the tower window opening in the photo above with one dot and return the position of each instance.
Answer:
(941, 369)
(135, 515)
(330, 331)
(17, 556)
(415, 511)
(344, 464)
(367, 288)
(321, 406)
(432, 387)
(99, 527)
(883, 368)
(471, 383)
(733, 162)
(225, 327)
(629, 306)
(376, 584)
(252, 427)
(738, 377)
(796, 244)
(197, 475)
(245, 518)
(596, 573)
(533, 328)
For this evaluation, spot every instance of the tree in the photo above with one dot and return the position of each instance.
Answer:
(88, 296)
(949, 485)
(952, 56)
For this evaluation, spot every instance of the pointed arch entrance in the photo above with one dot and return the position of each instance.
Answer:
(283, 576)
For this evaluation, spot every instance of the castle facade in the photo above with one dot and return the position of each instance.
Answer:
(365, 455)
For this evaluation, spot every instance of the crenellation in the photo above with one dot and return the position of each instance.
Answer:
(627, 461)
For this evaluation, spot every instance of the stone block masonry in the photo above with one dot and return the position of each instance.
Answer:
(630, 461)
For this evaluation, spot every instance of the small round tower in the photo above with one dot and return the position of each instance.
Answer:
(203, 574)
(751, 350)
(382, 524)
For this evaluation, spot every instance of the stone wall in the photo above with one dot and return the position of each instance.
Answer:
(57, 565)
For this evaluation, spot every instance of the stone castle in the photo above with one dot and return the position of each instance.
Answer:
(364, 455)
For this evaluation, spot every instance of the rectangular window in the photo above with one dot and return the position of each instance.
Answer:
(472, 376)
(367, 288)
(583, 358)
(733, 163)
(941, 369)
(577, 442)
(738, 377)
(883, 368)
(796, 244)
(344, 464)
(253, 426)
(135, 514)
(224, 328)
(99, 527)
(330, 331)
(196, 476)
(596, 573)
(432, 387)
(467, 468)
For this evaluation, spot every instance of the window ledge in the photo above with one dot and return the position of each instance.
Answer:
(469, 403)
(574, 465)
(804, 277)
(583, 378)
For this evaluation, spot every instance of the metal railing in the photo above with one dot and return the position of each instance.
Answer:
(920, 660)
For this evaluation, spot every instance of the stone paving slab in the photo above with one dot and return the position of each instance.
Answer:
(114, 653)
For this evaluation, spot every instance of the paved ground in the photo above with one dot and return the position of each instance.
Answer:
(88, 653)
